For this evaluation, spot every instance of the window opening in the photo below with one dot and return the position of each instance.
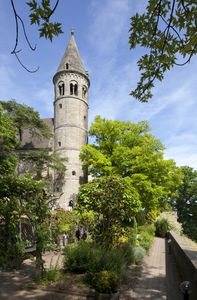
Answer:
(71, 89)
(75, 89)
(61, 87)
(73, 172)
(59, 143)
(60, 105)
(67, 66)
(84, 91)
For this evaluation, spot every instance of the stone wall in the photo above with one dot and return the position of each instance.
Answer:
(186, 258)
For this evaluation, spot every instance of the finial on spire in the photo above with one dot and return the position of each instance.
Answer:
(72, 31)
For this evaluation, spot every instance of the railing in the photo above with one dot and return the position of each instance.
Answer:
(186, 260)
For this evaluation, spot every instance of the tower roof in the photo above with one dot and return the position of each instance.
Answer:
(71, 59)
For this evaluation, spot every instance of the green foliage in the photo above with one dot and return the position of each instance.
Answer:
(53, 273)
(168, 30)
(162, 227)
(8, 142)
(185, 202)
(128, 150)
(18, 196)
(114, 202)
(84, 256)
(11, 246)
(79, 256)
(63, 221)
(146, 236)
(41, 14)
(150, 229)
(138, 254)
(25, 117)
(22, 195)
(105, 282)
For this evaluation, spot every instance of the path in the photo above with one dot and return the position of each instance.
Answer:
(159, 278)
(156, 279)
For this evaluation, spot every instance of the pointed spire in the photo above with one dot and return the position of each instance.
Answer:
(71, 59)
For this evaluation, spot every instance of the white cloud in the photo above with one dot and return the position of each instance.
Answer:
(184, 155)
(108, 22)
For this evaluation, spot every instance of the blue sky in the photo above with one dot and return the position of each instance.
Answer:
(101, 33)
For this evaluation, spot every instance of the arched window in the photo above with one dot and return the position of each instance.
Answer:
(74, 88)
(71, 89)
(84, 91)
(67, 66)
(61, 88)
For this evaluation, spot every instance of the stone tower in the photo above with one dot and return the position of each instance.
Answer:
(71, 84)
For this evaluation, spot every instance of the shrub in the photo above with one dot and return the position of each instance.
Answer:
(146, 236)
(162, 227)
(138, 254)
(105, 282)
(150, 229)
(113, 260)
(52, 275)
(146, 240)
(78, 256)
(85, 257)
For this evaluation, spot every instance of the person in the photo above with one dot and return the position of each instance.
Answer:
(78, 234)
(81, 233)
(71, 203)
(64, 239)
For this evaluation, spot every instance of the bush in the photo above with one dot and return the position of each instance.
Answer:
(138, 254)
(85, 257)
(162, 227)
(150, 229)
(105, 282)
(145, 240)
(78, 256)
(52, 275)
(146, 236)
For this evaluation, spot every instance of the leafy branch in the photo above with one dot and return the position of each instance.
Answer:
(40, 15)
(168, 30)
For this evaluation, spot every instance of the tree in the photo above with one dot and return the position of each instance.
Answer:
(8, 143)
(25, 117)
(40, 15)
(36, 162)
(168, 30)
(185, 202)
(128, 150)
(23, 195)
(114, 202)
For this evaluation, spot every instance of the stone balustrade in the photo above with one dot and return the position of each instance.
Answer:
(186, 259)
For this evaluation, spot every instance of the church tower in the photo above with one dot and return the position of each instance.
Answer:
(71, 84)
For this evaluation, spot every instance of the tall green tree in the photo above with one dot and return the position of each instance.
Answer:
(185, 202)
(36, 162)
(114, 202)
(23, 195)
(8, 143)
(129, 150)
(25, 118)
(167, 30)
